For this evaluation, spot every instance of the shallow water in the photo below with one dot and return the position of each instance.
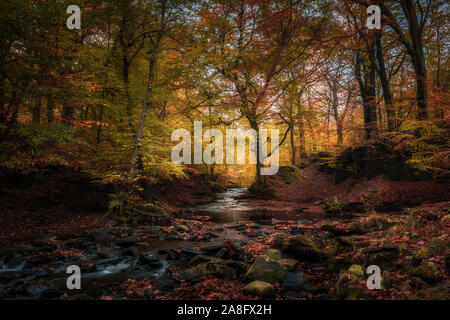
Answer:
(229, 207)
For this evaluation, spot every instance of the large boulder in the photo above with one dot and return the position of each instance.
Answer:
(266, 269)
(304, 247)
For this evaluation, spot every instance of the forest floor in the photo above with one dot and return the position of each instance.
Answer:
(312, 240)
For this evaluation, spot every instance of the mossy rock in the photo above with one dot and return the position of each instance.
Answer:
(210, 268)
(446, 219)
(182, 228)
(336, 265)
(238, 266)
(382, 256)
(259, 288)
(428, 272)
(266, 269)
(438, 245)
(422, 254)
(304, 247)
(356, 271)
(275, 254)
(375, 223)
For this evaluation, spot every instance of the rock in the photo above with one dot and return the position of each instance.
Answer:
(238, 266)
(422, 254)
(201, 259)
(333, 230)
(171, 254)
(266, 269)
(182, 228)
(127, 242)
(375, 223)
(383, 255)
(289, 264)
(35, 289)
(356, 272)
(212, 249)
(275, 254)
(129, 252)
(290, 295)
(428, 272)
(304, 247)
(295, 282)
(209, 268)
(446, 218)
(336, 265)
(149, 260)
(191, 251)
(259, 288)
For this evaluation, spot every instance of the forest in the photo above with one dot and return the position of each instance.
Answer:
(224, 150)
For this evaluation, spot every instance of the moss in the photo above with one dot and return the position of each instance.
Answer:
(275, 254)
(266, 269)
(375, 223)
(259, 288)
(210, 268)
(428, 272)
(438, 245)
(422, 254)
(356, 271)
(332, 206)
(306, 247)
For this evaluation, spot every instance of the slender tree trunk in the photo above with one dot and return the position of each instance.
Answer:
(387, 95)
(143, 117)
(37, 111)
(255, 126)
(293, 159)
(126, 82)
(68, 113)
(302, 142)
(340, 135)
(50, 110)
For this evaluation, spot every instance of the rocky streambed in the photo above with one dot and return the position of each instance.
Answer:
(235, 248)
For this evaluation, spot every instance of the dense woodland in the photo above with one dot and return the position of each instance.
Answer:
(86, 117)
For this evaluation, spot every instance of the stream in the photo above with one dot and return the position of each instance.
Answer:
(109, 256)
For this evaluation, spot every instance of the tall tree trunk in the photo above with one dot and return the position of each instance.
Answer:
(367, 84)
(135, 157)
(255, 126)
(37, 111)
(68, 113)
(387, 95)
(293, 159)
(340, 134)
(50, 110)
(143, 117)
(126, 82)
(418, 57)
(302, 142)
